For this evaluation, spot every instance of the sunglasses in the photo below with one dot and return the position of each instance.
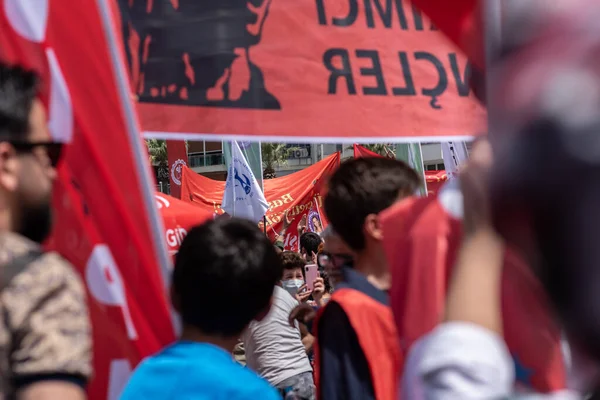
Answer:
(53, 149)
(337, 260)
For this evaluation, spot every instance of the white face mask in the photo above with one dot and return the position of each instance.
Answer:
(292, 285)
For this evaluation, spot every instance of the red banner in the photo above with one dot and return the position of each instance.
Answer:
(178, 158)
(356, 70)
(421, 240)
(434, 179)
(107, 224)
(178, 217)
(295, 193)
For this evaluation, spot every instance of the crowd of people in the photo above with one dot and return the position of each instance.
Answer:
(253, 325)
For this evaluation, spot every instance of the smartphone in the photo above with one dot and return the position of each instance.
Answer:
(311, 272)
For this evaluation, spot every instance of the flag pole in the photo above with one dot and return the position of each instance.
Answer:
(265, 224)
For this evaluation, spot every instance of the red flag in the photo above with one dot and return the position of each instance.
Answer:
(435, 180)
(178, 158)
(361, 151)
(179, 217)
(421, 240)
(294, 193)
(107, 224)
(460, 20)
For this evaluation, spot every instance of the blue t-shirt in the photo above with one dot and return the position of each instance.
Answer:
(189, 370)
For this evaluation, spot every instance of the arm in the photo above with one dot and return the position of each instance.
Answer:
(474, 294)
(307, 339)
(344, 370)
(280, 237)
(466, 357)
(46, 315)
(52, 389)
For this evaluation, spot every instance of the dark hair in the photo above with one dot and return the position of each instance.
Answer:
(364, 186)
(325, 276)
(224, 275)
(18, 90)
(310, 241)
(292, 260)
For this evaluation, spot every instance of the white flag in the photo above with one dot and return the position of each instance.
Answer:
(243, 197)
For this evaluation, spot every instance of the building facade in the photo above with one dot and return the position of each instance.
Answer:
(207, 158)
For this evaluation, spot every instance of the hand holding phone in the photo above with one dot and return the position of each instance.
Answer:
(311, 273)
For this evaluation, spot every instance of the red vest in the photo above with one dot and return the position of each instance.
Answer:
(375, 329)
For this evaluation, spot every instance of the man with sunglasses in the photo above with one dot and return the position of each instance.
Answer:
(45, 342)
(357, 350)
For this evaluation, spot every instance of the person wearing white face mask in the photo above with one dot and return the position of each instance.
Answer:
(277, 350)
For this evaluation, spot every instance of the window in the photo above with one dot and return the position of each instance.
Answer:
(435, 167)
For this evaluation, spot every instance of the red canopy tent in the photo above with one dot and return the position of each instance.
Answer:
(178, 217)
(434, 179)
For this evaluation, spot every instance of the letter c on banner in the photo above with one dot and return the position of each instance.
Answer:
(442, 85)
(106, 285)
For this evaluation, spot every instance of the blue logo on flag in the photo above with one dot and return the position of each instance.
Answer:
(245, 182)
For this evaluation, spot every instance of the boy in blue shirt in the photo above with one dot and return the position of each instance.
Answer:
(223, 279)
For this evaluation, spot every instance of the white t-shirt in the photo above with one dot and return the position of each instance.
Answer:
(274, 349)
(461, 361)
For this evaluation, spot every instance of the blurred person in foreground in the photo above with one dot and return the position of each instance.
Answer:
(357, 351)
(274, 348)
(45, 335)
(466, 357)
(223, 279)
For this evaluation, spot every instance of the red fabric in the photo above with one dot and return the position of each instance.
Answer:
(459, 20)
(178, 158)
(178, 217)
(102, 221)
(421, 244)
(296, 192)
(434, 179)
(361, 151)
(373, 323)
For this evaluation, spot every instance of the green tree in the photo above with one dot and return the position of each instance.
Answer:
(273, 155)
(157, 151)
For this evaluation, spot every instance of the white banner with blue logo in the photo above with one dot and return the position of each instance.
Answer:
(243, 196)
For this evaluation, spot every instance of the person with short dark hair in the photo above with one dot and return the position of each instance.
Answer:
(45, 332)
(278, 350)
(223, 279)
(357, 350)
(309, 245)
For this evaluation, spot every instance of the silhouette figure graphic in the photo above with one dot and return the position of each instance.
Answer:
(245, 183)
(196, 52)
